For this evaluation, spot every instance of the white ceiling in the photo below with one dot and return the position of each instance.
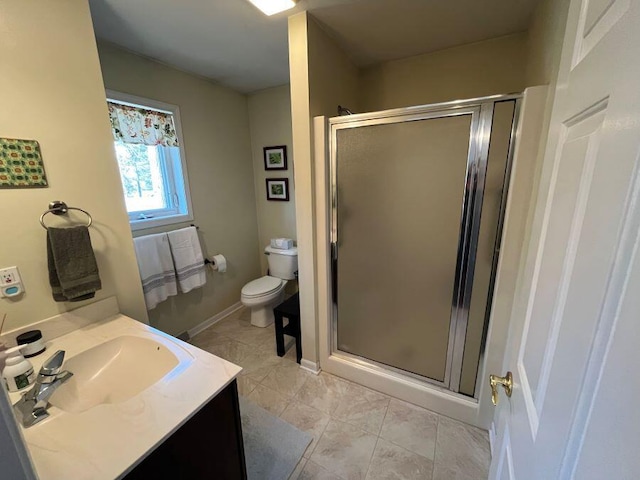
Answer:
(233, 43)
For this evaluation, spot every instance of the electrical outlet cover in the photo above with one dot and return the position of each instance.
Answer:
(9, 276)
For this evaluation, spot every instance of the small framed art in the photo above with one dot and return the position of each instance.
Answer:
(278, 189)
(21, 164)
(275, 158)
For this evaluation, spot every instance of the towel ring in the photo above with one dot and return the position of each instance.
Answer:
(58, 207)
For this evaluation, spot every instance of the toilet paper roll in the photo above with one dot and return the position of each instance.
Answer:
(219, 263)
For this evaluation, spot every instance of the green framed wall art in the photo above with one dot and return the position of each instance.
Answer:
(21, 164)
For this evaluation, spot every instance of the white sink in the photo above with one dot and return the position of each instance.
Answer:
(113, 372)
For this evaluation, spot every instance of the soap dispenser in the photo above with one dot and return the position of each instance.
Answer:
(18, 372)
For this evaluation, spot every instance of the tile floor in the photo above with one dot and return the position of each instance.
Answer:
(358, 433)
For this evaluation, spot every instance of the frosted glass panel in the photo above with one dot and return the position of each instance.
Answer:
(400, 192)
(494, 183)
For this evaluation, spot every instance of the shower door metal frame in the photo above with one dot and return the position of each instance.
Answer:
(481, 111)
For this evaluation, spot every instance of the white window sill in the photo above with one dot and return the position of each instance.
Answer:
(159, 222)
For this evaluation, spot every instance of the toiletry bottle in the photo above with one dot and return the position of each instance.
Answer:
(18, 372)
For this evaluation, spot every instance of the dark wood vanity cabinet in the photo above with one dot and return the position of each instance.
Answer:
(208, 446)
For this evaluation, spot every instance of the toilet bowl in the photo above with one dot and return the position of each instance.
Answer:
(261, 296)
(265, 293)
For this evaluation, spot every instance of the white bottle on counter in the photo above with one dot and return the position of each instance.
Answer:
(18, 372)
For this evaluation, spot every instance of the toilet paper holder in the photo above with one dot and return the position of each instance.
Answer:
(206, 260)
(221, 268)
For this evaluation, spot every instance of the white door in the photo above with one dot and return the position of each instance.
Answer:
(575, 335)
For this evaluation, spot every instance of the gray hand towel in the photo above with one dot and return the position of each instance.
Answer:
(73, 271)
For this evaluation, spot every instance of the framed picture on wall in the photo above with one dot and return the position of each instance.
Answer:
(278, 189)
(275, 158)
(21, 164)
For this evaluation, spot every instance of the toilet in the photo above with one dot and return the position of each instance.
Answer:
(265, 293)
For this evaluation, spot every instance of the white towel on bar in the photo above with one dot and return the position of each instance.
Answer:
(156, 268)
(188, 258)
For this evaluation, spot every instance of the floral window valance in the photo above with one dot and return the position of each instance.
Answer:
(142, 126)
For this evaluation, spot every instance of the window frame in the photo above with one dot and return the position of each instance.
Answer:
(174, 110)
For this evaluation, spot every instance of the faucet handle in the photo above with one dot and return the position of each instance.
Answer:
(32, 406)
(53, 364)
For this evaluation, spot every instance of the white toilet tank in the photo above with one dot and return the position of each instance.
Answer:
(282, 263)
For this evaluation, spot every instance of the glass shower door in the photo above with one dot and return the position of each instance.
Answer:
(399, 193)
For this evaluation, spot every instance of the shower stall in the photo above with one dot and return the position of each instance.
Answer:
(416, 205)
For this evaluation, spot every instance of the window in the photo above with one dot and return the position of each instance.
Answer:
(151, 160)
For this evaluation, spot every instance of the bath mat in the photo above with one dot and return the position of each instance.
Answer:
(272, 447)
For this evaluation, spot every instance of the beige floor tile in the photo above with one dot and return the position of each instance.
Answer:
(233, 351)
(254, 336)
(307, 419)
(258, 365)
(457, 472)
(362, 414)
(391, 462)
(246, 385)
(462, 452)
(289, 346)
(411, 427)
(358, 391)
(290, 351)
(362, 408)
(313, 471)
(414, 443)
(286, 378)
(231, 324)
(344, 450)
(323, 392)
(209, 337)
(295, 475)
(231, 339)
(268, 399)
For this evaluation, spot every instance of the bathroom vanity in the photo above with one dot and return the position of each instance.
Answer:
(140, 404)
(208, 445)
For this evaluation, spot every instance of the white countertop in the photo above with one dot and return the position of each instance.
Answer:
(108, 440)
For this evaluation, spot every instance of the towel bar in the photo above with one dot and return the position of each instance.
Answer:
(58, 207)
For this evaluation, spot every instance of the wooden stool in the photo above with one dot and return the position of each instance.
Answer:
(291, 309)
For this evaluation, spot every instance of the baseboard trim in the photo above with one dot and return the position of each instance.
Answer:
(308, 365)
(192, 332)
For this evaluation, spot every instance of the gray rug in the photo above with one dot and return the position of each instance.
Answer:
(272, 447)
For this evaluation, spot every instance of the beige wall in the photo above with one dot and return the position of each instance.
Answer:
(333, 79)
(544, 41)
(53, 93)
(270, 120)
(478, 69)
(321, 78)
(303, 174)
(215, 125)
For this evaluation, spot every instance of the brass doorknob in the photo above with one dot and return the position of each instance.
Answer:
(506, 382)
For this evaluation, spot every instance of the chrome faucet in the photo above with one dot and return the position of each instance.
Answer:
(32, 407)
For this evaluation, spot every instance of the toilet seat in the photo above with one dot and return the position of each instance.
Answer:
(261, 287)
